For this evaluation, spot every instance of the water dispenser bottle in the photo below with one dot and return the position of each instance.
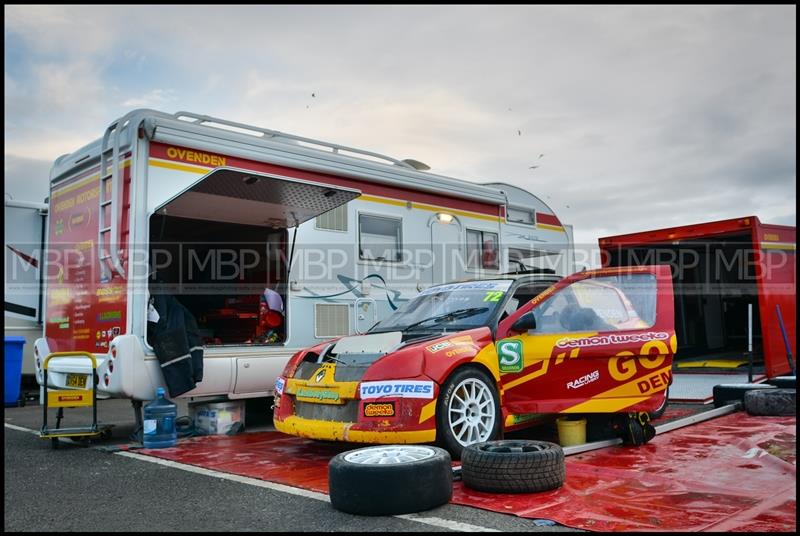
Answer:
(159, 422)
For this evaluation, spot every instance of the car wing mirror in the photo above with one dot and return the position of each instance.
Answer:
(524, 323)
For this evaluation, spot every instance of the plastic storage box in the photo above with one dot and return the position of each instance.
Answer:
(216, 418)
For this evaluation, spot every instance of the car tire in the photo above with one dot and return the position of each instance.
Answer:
(729, 393)
(468, 393)
(783, 382)
(416, 478)
(771, 402)
(513, 466)
(662, 408)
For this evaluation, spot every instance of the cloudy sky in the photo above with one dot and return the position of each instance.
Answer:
(647, 116)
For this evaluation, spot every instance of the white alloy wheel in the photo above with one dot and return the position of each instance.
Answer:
(471, 412)
(391, 454)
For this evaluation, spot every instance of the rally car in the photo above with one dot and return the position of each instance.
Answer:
(464, 362)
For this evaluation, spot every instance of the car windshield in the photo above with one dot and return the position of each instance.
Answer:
(453, 306)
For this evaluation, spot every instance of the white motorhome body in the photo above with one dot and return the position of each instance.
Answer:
(215, 211)
(24, 236)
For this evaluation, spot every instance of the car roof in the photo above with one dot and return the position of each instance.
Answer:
(528, 278)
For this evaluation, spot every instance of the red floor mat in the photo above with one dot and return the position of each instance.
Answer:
(733, 473)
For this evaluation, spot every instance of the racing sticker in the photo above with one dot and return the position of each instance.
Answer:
(379, 409)
(603, 340)
(501, 285)
(279, 383)
(583, 380)
(433, 348)
(509, 354)
(399, 389)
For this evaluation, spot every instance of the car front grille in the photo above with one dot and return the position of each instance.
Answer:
(346, 413)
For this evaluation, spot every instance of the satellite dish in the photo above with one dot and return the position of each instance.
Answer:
(416, 164)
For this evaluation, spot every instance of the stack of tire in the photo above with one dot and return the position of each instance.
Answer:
(780, 401)
(775, 397)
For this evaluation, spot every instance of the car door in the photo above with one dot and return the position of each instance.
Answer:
(603, 342)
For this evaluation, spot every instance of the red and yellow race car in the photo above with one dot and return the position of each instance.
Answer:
(463, 362)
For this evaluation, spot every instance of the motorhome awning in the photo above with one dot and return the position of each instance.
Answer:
(245, 197)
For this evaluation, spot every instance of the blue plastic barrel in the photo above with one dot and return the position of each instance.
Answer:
(159, 422)
(13, 370)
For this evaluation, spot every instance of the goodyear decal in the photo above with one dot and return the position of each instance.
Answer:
(400, 389)
(509, 354)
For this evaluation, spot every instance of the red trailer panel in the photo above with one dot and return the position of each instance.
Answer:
(718, 268)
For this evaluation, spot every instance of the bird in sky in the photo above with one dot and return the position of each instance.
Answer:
(533, 167)
(313, 95)
(541, 155)
(519, 133)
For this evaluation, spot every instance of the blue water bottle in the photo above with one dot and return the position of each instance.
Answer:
(159, 422)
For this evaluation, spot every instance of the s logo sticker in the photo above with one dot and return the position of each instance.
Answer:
(510, 356)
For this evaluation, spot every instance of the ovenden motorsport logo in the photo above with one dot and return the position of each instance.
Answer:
(400, 389)
(509, 354)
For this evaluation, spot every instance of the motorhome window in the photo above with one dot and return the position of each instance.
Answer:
(600, 304)
(482, 250)
(333, 220)
(380, 238)
(516, 215)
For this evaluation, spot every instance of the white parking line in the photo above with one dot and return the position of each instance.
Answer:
(21, 429)
(433, 521)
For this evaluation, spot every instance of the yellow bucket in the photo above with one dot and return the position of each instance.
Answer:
(571, 431)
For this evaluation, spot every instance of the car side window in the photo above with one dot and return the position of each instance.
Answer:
(600, 304)
(521, 296)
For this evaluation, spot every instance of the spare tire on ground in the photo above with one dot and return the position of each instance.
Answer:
(390, 479)
(729, 393)
(783, 382)
(513, 466)
(772, 402)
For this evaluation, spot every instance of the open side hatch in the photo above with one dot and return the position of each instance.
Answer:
(222, 245)
(240, 196)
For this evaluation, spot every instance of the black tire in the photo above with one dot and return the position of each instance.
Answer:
(373, 489)
(662, 408)
(462, 379)
(513, 466)
(729, 393)
(783, 382)
(771, 402)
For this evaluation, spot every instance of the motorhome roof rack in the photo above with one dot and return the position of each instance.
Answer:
(240, 128)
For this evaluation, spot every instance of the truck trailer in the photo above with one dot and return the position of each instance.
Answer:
(734, 284)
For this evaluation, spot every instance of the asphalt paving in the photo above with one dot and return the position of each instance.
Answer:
(93, 488)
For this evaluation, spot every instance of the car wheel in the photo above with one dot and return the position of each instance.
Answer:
(513, 466)
(390, 479)
(730, 393)
(468, 411)
(662, 408)
(771, 402)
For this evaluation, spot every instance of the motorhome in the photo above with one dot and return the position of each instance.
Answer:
(25, 223)
(221, 216)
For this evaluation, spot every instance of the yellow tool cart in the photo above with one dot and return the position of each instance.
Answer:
(81, 396)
